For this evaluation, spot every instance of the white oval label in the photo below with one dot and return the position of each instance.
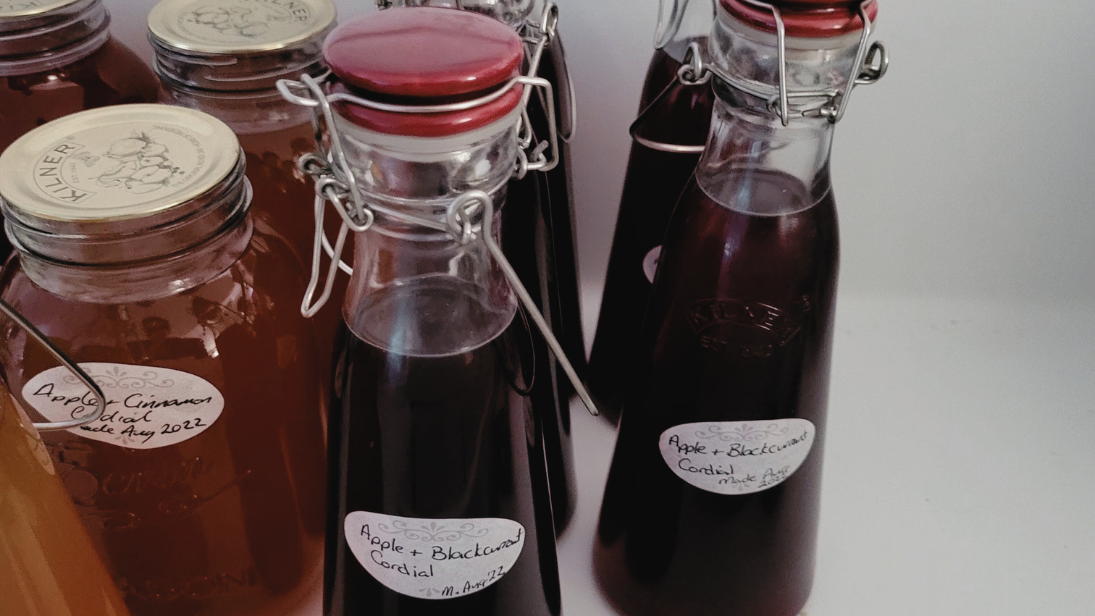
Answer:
(737, 457)
(650, 263)
(147, 407)
(434, 559)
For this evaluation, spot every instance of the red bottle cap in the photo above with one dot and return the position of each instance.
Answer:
(804, 18)
(425, 56)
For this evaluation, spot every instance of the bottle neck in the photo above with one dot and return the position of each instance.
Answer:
(752, 157)
(53, 39)
(417, 289)
(746, 144)
(682, 22)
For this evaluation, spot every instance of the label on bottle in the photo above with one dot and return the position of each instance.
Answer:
(434, 559)
(147, 407)
(737, 457)
(650, 263)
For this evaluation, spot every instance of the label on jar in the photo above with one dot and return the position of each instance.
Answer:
(650, 263)
(737, 457)
(147, 407)
(434, 559)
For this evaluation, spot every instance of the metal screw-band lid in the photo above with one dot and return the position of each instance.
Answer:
(105, 176)
(237, 45)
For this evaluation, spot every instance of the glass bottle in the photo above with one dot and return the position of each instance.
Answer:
(202, 482)
(712, 499)
(57, 57)
(224, 57)
(48, 564)
(674, 120)
(539, 238)
(439, 491)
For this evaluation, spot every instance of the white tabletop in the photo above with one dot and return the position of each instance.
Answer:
(959, 464)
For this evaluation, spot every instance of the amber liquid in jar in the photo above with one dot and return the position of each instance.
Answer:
(274, 135)
(229, 521)
(109, 75)
(48, 564)
(202, 483)
(284, 198)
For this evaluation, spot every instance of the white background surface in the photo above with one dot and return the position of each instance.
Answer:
(960, 463)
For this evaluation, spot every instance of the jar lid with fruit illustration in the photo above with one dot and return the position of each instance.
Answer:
(238, 45)
(110, 174)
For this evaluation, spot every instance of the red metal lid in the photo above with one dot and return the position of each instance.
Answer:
(804, 18)
(425, 56)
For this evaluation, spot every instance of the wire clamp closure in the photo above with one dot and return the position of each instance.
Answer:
(870, 65)
(336, 184)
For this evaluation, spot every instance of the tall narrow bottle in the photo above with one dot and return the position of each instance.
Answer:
(669, 134)
(539, 238)
(711, 505)
(439, 498)
(57, 57)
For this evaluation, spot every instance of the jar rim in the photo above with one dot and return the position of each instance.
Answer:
(47, 39)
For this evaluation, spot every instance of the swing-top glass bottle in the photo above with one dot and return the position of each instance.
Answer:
(439, 493)
(539, 237)
(711, 505)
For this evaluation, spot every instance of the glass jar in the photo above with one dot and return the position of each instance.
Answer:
(202, 482)
(48, 564)
(225, 57)
(721, 441)
(539, 237)
(57, 57)
(674, 120)
(440, 489)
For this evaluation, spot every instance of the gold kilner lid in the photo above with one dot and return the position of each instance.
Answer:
(121, 184)
(20, 9)
(115, 164)
(238, 26)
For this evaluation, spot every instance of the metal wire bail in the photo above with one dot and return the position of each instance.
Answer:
(71, 366)
(335, 183)
(697, 72)
(460, 214)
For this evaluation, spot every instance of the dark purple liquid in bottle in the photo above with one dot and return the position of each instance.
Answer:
(739, 329)
(527, 242)
(653, 183)
(436, 437)
(538, 237)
